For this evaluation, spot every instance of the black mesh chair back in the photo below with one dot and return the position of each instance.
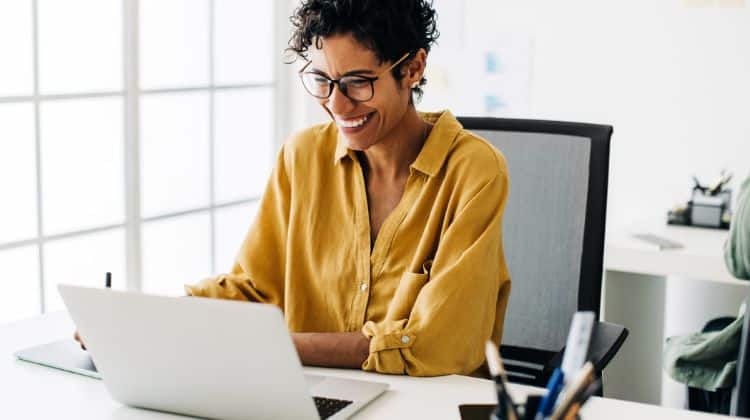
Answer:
(553, 235)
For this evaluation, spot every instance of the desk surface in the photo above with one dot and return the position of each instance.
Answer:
(30, 391)
(701, 258)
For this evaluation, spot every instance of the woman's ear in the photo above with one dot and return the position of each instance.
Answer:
(415, 68)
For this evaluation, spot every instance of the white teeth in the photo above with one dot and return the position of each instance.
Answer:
(353, 123)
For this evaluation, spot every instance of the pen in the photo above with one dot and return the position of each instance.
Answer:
(698, 185)
(505, 409)
(108, 285)
(571, 412)
(718, 185)
(571, 415)
(577, 344)
(553, 389)
(572, 391)
(721, 184)
(590, 391)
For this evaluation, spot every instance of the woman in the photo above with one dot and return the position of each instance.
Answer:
(379, 233)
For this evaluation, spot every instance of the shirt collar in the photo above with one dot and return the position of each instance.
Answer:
(435, 148)
(439, 142)
(341, 149)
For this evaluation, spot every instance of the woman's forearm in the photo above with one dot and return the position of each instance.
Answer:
(342, 350)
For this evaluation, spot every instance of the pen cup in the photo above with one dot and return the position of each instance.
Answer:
(532, 404)
(709, 210)
(528, 410)
(525, 410)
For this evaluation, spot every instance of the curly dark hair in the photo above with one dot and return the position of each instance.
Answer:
(390, 28)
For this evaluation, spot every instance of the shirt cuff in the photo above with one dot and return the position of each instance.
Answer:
(194, 290)
(221, 287)
(387, 339)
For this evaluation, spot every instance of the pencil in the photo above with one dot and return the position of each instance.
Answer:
(572, 411)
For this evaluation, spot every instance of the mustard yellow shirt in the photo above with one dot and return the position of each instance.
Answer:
(433, 288)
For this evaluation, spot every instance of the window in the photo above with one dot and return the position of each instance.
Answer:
(135, 137)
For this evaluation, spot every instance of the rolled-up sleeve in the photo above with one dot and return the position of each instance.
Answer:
(257, 274)
(439, 319)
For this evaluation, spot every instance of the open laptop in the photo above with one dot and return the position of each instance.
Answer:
(205, 357)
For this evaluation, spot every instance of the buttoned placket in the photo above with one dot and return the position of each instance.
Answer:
(371, 260)
(361, 284)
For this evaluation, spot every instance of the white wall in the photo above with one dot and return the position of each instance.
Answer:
(673, 80)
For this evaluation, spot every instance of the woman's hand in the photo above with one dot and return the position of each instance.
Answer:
(77, 337)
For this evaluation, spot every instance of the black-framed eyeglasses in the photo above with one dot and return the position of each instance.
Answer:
(355, 87)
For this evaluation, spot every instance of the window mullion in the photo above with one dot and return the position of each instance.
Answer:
(212, 134)
(38, 152)
(133, 260)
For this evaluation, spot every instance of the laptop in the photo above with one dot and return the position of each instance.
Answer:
(205, 357)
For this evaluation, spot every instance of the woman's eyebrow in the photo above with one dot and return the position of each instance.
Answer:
(360, 71)
(349, 73)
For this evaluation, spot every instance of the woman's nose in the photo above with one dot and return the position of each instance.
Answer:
(338, 103)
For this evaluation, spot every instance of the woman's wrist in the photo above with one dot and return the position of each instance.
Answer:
(342, 350)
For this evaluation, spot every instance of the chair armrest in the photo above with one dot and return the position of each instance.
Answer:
(606, 340)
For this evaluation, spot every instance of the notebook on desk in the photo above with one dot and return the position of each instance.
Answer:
(65, 355)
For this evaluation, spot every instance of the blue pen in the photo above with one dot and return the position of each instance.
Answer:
(554, 386)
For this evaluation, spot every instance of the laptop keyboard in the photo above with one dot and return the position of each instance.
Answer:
(329, 406)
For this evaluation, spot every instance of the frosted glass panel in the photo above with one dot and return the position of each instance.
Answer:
(17, 173)
(16, 76)
(232, 224)
(176, 251)
(83, 261)
(174, 152)
(82, 164)
(244, 149)
(174, 43)
(80, 45)
(19, 279)
(243, 51)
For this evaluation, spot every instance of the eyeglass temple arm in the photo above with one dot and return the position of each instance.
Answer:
(403, 57)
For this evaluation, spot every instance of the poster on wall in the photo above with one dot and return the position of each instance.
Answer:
(475, 71)
(505, 77)
(488, 77)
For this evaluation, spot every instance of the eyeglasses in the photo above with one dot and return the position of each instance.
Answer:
(356, 88)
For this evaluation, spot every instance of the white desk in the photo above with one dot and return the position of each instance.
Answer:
(34, 392)
(657, 294)
(701, 258)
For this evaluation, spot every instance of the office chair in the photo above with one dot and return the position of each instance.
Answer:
(553, 238)
(741, 394)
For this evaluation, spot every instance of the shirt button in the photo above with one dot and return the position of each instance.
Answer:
(405, 339)
(363, 287)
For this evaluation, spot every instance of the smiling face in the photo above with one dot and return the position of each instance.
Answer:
(362, 124)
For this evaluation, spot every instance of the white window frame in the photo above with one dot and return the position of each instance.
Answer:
(131, 94)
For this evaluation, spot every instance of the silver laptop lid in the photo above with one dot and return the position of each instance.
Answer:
(203, 357)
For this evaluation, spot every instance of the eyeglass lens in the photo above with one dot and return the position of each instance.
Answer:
(354, 87)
